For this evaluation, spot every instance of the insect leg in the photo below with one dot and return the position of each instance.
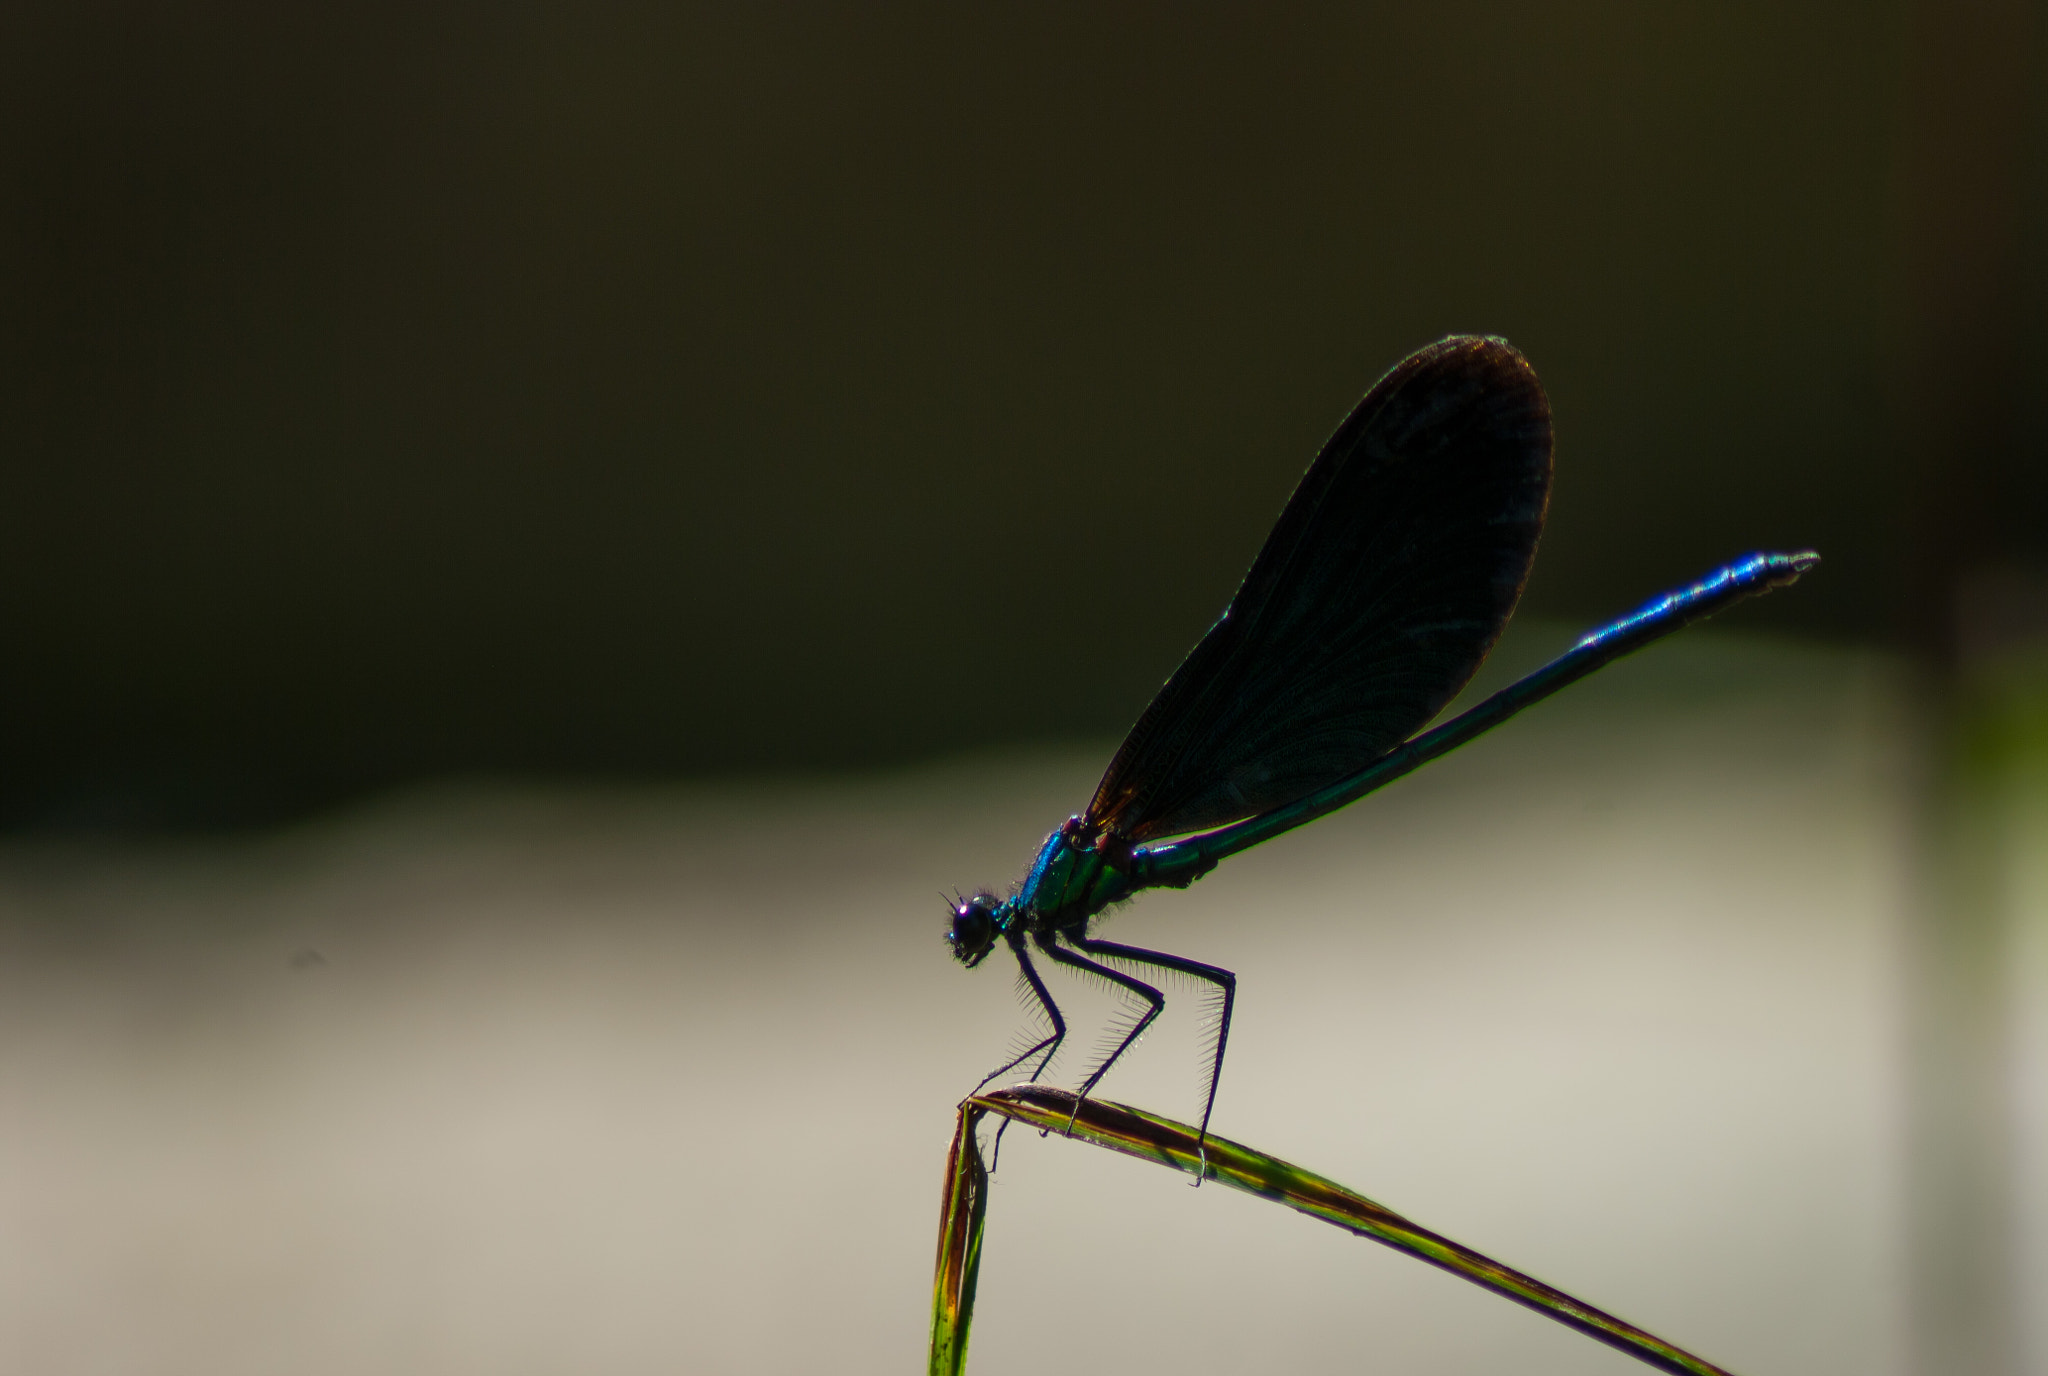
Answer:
(1049, 1044)
(1214, 974)
(1154, 1001)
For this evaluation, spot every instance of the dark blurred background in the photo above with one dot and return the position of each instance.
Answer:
(396, 391)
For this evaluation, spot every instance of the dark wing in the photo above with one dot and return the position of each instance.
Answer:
(1386, 581)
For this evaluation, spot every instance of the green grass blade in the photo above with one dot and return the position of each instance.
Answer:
(1137, 1133)
(963, 1209)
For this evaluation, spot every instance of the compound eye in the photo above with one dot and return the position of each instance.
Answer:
(973, 931)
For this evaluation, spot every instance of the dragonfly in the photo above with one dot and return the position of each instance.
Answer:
(1390, 574)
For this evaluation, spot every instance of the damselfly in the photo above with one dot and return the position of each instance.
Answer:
(1391, 572)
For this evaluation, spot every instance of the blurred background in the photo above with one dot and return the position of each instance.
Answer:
(533, 542)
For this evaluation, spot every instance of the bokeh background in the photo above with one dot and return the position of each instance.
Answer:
(532, 542)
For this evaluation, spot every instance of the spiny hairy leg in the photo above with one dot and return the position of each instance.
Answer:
(1224, 980)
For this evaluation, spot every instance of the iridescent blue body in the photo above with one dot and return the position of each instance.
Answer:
(1076, 877)
(1384, 584)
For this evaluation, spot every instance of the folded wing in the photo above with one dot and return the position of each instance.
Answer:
(1389, 576)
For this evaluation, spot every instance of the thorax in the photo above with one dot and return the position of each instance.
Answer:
(1075, 876)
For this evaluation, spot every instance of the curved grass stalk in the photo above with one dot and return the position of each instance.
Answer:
(963, 1208)
(1178, 1146)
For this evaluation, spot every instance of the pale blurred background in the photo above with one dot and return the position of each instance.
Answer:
(534, 544)
(534, 1081)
